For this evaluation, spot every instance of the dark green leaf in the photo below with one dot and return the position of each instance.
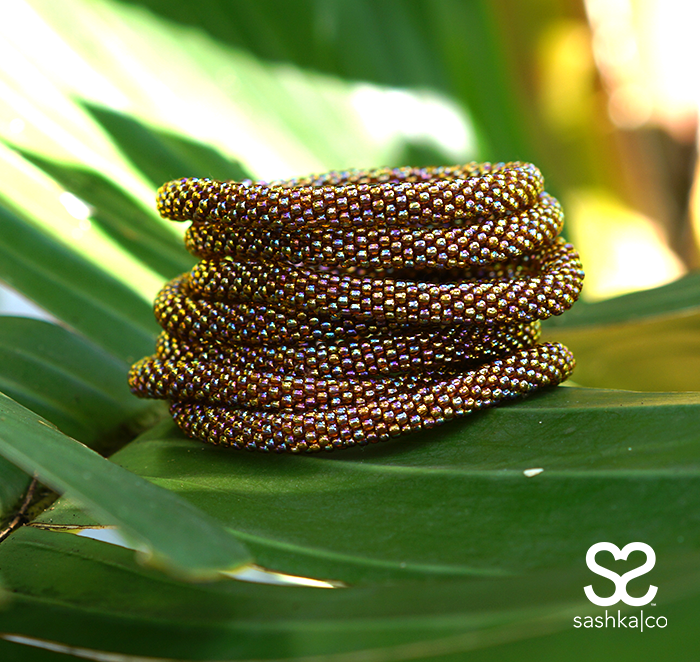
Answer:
(13, 484)
(63, 377)
(118, 606)
(176, 535)
(455, 501)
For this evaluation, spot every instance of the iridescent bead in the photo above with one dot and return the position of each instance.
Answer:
(351, 307)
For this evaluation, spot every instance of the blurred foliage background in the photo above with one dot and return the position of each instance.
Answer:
(603, 96)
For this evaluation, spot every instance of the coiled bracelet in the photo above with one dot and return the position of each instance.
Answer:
(351, 307)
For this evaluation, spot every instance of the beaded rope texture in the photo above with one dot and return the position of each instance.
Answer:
(354, 306)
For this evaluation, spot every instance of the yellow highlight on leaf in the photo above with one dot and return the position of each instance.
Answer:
(621, 249)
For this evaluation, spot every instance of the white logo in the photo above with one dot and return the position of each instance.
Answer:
(620, 581)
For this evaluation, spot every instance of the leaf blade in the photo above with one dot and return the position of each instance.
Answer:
(77, 292)
(452, 501)
(198, 547)
(63, 377)
(509, 618)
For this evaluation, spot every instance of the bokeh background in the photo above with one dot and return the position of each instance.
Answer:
(602, 95)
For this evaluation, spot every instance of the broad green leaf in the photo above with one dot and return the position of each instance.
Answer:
(63, 377)
(511, 618)
(74, 290)
(682, 297)
(175, 534)
(453, 501)
(164, 156)
(647, 341)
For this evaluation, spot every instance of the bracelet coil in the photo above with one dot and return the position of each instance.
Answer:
(351, 307)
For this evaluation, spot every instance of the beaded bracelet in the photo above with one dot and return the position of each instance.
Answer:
(351, 307)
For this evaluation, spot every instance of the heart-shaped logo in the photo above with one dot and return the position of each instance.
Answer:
(620, 581)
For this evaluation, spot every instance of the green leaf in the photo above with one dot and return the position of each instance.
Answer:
(124, 221)
(13, 484)
(396, 43)
(509, 618)
(277, 121)
(74, 290)
(682, 297)
(163, 156)
(660, 354)
(63, 377)
(647, 341)
(195, 546)
(121, 607)
(454, 501)
(447, 544)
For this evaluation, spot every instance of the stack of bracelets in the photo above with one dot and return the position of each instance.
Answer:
(351, 307)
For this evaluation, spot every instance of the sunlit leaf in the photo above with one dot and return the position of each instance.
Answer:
(647, 340)
(163, 156)
(74, 290)
(140, 233)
